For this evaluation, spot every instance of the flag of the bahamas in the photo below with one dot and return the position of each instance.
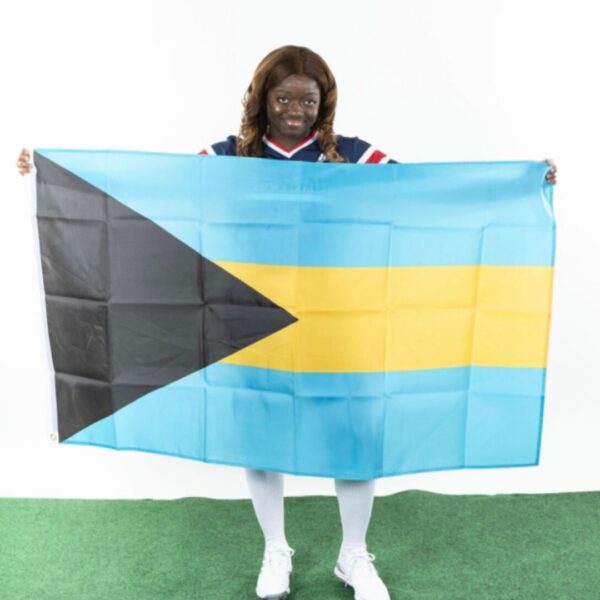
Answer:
(339, 320)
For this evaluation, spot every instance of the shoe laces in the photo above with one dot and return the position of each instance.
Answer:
(361, 563)
(278, 556)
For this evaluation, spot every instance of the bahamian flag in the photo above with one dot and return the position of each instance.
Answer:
(338, 320)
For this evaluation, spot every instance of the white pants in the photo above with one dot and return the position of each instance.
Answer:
(355, 499)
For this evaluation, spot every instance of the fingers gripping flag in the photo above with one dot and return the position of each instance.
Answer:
(338, 320)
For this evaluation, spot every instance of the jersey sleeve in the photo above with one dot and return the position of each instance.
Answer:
(224, 148)
(357, 150)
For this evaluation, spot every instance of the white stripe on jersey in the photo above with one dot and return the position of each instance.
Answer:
(366, 155)
(291, 153)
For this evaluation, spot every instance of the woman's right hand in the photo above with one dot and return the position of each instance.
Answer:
(24, 162)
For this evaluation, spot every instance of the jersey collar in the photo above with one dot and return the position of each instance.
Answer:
(307, 141)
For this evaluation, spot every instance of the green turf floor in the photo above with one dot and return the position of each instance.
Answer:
(428, 546)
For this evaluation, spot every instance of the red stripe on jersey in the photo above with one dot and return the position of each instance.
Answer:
(303, 141)
(376, 157)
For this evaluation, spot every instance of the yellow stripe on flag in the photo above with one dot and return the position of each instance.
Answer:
(371, 319)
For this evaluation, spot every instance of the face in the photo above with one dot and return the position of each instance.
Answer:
(292, 108)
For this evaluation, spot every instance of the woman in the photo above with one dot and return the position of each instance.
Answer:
(289, 109)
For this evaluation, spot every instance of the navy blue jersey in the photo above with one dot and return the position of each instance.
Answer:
(353, 149)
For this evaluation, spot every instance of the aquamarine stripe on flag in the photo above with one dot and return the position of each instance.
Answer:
(315, 214)
(345, 425)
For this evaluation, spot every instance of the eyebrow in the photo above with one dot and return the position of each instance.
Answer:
(287, 91)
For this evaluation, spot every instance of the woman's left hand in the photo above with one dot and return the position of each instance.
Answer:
(551, 174)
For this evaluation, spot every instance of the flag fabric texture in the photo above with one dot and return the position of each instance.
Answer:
(338, 320)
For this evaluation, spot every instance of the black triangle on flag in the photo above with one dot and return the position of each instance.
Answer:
(130, 307)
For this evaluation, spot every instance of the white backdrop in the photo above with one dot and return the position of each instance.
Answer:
(424, 81)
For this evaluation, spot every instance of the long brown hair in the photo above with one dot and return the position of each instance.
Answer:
(271, 71)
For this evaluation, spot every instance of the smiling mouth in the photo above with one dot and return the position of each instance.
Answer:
(294, 122)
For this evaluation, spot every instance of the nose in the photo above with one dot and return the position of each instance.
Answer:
(295, 108)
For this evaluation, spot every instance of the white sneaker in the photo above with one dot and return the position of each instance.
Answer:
(274, 577)
(355, 568)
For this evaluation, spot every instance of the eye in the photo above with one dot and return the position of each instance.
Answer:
(282, 100)
(310, 102)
